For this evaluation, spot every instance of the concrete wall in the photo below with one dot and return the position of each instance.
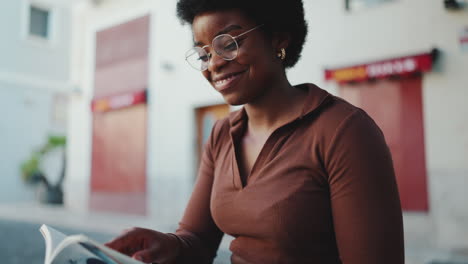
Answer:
(32, 74)
(336, 38)
(25, 115)
(46, 60)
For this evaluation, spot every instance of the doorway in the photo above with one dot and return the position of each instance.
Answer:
(119, 147)
(396, 106)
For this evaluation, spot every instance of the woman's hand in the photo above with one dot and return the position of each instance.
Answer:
(147, 245)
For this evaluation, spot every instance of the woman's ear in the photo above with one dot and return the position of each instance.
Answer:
(281, 40)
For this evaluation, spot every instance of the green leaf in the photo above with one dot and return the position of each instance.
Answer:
(30, 167)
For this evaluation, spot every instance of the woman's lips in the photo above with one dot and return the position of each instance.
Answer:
(226, 82)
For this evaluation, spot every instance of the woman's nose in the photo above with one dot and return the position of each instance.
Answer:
(215, 62)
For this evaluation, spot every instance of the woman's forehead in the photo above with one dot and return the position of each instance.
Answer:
(210, 24)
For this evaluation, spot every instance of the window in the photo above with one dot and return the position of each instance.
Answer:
(39, 22)
(39, 25)
(353, 5)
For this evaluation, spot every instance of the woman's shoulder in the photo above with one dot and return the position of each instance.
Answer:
(221, 129)
(221, 126)
(330, 109)
(335, 114)
(340, 110)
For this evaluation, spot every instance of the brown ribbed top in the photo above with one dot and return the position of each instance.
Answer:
(322, 191)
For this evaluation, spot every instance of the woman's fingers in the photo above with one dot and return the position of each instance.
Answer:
(127, 243)
(148, 255)
(148, 246)
(163, 250)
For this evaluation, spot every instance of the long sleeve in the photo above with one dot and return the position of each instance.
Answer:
(365, 203)
(197, 232)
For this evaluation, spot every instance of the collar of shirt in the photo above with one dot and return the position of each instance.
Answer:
(315, 98)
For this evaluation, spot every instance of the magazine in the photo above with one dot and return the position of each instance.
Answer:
(79, 249)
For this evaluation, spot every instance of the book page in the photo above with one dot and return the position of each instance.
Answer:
(52, 239)
(80, 249)
(109, 254)
(76, 254)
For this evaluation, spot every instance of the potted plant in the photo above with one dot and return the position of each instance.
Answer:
(31, 172)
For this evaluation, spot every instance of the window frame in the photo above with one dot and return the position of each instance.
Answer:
(47, 14)
(51, 23)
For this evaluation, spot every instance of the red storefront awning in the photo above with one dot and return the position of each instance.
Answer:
(119, 101)
(395, 67)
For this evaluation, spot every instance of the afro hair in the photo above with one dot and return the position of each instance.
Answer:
(276, 15)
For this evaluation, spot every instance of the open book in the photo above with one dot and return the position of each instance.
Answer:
(79, 249)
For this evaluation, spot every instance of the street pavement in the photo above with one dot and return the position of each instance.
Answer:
(21, 241)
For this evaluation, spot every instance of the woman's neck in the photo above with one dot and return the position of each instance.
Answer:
(281, 103)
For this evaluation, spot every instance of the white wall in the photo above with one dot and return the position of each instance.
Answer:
(32, 73)
(76, 185)
(23, 127)
(31, 57)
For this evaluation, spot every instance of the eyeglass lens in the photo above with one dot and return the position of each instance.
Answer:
(224, 45)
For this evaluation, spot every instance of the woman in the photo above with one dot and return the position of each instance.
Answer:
(297, 175)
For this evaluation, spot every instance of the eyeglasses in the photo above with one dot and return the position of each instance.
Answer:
(225, 46)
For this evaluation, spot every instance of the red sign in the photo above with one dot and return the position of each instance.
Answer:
(118, 101)
(464, 39)
(402, 66)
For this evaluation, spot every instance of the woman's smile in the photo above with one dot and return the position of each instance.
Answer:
(225, 81)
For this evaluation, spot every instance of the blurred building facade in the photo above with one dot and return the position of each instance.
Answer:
(133, 135)
(35, 68)
(138, 114)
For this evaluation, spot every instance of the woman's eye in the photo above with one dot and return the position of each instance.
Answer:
(230, 46)
(203, 58)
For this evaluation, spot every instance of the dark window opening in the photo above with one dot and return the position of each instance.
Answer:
(39, 22)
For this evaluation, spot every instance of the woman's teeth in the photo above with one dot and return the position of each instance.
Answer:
(220, 82)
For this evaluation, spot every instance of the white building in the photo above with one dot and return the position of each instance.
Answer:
(147, 153)
(34, 84)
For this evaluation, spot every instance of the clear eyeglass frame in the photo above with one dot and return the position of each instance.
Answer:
(225, 46)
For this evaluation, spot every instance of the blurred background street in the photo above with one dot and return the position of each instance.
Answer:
(102, 122)
(21, 242)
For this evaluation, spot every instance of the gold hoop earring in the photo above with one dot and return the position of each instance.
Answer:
(281, 54)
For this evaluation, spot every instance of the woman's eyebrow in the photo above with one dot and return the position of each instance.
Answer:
(223, 31)
(228, 29)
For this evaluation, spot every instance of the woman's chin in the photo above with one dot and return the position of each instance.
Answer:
(231, 99)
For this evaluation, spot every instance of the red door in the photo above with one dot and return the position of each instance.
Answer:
(396, 106)
(118, 176)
